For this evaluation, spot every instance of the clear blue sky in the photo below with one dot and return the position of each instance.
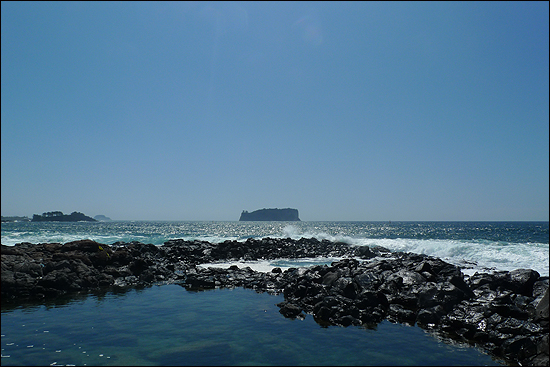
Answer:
(344, 111)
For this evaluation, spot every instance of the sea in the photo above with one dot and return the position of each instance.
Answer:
(165, 324)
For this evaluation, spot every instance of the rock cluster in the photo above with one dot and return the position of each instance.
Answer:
(49, 270)
(54, 269)
(506, 313)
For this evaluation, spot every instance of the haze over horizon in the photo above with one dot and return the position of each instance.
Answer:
(346, 111)
(302, 220)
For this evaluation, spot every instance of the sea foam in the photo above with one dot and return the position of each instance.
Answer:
(471, 255)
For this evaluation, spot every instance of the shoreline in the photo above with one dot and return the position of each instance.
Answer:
(504, 313)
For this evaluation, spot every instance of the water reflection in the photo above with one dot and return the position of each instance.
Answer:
(71, 299)
(166, 325)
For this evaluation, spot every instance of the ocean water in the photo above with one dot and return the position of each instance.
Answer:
(167, 325)
(475, 246)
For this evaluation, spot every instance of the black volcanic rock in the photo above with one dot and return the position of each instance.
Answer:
(270, 215)
(506, 313)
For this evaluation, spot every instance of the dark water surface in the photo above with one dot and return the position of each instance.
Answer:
(167, 325)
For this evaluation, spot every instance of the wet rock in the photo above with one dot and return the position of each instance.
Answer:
(290, 310)
(368, 280)
(196, 282)
(521, 281)
(82, 245)
(330, 278)
(398, 313)
(406, 278)
(365, 252)
(429, 317)
(541, 312)
(540, 286)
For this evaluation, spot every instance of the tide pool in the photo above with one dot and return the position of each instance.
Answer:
(167, 325)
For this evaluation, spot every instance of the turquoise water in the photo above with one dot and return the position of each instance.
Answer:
(167, 325)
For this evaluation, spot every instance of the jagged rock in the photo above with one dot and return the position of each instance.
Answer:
(522, 280)
(541, 312)
(397, 313)
(195, 282)
(365, 252)
(429, 317)
(290, 310)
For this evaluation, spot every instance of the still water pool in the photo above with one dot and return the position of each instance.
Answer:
(167, 325)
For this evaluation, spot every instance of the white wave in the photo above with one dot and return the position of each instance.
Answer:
(484, 254)
(266, 266)
(64, 238)
(211, 239)
(464, 253)
(261, 266)
(474, 255)
(294, 233)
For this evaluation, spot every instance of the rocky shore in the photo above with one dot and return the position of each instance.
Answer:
(505, 313)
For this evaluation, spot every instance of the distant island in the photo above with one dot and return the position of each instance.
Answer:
(60, 217)
(102, 218)
(15, 219)
(287, 214)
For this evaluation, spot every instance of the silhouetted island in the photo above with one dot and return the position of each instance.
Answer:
(287, 214)
(60, 217)
(15, 219)
(102, 218)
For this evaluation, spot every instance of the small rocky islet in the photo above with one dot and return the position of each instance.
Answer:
(505, 313)
(58, 216)
(273, 214)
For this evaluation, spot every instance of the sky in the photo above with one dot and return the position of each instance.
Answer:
(346, 111)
